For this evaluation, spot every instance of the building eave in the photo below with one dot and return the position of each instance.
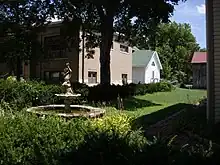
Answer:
(210, 62)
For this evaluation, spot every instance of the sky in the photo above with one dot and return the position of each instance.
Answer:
(193, 13)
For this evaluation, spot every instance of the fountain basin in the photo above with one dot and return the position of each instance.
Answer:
(67, 95)
(74, 111)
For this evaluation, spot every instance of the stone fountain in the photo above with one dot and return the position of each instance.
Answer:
(68, 96)
(66, 109)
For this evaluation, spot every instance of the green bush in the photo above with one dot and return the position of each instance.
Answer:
(26, 139)
(159, 87)
(29, 140)
(120, 123)
(142, 89)
(108, 93)
(111, 92)
(23, 94)
(31, 93)
(82, 89)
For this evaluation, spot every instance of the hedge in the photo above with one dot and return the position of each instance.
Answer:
(31, 93)
(29, 140)
(111, 92)
(22, 94)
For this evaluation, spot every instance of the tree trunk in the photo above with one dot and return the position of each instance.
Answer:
(11, 67)
(18, 74)
(32, 75)
(105, 48)
(83, 53)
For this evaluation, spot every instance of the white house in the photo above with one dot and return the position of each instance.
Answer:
(146, 66)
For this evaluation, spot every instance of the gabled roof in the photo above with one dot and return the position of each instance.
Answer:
(199, 57)
(141, 58)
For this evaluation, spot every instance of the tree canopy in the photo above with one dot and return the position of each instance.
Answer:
(20, 23)
(129, 18)
(175, 45)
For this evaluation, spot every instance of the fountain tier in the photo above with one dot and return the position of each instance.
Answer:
(68, 98)
(75, 111)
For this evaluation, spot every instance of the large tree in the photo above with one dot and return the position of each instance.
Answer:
(175, 44)
(124, 16)
(128, 17)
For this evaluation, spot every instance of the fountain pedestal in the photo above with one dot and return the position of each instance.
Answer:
(67, 104)
(68, 99)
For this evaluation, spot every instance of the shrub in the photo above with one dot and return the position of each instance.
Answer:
(32, 93)
(23, 94)
(82, 89)
(108, 93)
(159, 87)
(111, 92)
(142, 89)
(29, 140)
(120, 123)
(26, 139)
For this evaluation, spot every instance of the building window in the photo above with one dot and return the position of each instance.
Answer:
(124, 48)
(55, 75)
(92, 77)
(54, 47)
(153, 64)
(153, 74)
(124, 79)
(47, 76)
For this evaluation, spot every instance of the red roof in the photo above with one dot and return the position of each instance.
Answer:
(199, 57)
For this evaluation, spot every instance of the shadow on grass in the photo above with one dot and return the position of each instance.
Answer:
(131, 104)
(145, 121)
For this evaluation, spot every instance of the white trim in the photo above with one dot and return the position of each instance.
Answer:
(127, 53)
(115, 82)
(157, 58)
(119, 82)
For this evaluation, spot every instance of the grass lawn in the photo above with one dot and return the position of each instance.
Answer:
(157, 106)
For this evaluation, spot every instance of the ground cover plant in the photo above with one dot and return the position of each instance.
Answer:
(27, 139)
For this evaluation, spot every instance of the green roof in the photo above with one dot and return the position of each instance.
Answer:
(141, 57)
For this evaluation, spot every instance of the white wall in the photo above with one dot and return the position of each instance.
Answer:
(138, 75)
(121, 63)
(149, 72)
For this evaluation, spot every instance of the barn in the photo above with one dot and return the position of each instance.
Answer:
(199, 62)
